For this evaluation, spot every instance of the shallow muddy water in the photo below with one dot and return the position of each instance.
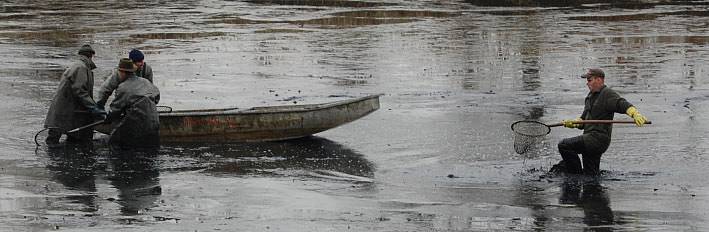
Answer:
(437, 156)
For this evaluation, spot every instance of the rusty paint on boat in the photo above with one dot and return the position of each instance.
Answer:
(259, 124)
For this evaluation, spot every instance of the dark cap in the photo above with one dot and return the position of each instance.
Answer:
(126, 65)
(595, 72)
(136, 55)
(86, 49)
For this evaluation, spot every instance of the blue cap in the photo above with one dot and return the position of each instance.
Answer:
(135, 55)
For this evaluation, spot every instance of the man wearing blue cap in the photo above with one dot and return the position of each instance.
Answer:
(143, 70)
(111, 83)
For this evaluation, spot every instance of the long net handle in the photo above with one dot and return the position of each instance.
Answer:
(86, 126)
(600, 122)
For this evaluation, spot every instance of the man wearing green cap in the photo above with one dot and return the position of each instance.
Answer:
(73, 105)
(134, 109)
(601, 103)
(111, 83)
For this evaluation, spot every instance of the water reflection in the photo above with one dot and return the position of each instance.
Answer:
(320, 3)
(396, 14)
(177, 35)
(307, 156)
(136, 176)
(76, 169)
(630, 4)
(576, 192)
(530, 51)
(54, 37)
(531, 195)
(133, 173)
(640, 40)
(592, 198)
(348, 22)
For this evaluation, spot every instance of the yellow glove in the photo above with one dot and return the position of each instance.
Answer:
(639, 118)
(572, 123)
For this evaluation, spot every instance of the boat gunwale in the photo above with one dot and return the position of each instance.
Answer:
(267, 109)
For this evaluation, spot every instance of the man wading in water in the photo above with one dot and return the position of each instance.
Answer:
(134, 109)
(601, 103)
(73, 105)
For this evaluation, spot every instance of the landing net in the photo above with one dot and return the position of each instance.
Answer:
(527, 133)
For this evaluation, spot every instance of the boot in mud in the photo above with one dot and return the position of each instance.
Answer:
(52, 139)
(558, 169)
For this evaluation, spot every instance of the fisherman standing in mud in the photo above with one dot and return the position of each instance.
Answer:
(134, 109)
(73, 105)
(111, 83)
(600, 104)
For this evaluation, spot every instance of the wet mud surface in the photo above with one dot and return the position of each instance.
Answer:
(437, 156)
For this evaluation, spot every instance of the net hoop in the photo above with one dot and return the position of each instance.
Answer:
(530, 128)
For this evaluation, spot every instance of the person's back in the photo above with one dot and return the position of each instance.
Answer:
(140, 125)
(135, 104)
(131, 90)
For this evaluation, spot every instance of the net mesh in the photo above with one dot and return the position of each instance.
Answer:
(527, 133)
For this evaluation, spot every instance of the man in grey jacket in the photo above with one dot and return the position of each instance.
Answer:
(111, 83)
(134, 109)
(601, 103)
(73, 104)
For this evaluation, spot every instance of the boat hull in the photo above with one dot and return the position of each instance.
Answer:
(261, 124)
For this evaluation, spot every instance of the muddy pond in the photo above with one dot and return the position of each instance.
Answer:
(437, 156)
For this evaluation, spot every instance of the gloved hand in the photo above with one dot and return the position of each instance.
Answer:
(113, 115)
(639, 118)
(101, 105)
(99, 114)
(573, 123)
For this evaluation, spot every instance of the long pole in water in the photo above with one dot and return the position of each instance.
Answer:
(84, 127)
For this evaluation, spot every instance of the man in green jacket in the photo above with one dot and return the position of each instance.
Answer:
(111, 83)
(73, 105)
(601, 103)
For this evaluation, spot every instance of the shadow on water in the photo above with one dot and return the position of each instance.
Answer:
(310, 156)
(133, 173)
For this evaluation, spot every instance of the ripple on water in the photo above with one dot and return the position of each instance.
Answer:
(320, 3)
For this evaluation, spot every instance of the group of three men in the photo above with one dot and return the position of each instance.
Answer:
(133, 112)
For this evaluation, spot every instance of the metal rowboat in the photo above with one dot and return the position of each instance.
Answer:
(259, 124)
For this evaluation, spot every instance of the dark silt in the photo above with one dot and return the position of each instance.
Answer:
(437, 156)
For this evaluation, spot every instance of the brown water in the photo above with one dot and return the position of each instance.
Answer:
(437, 156)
